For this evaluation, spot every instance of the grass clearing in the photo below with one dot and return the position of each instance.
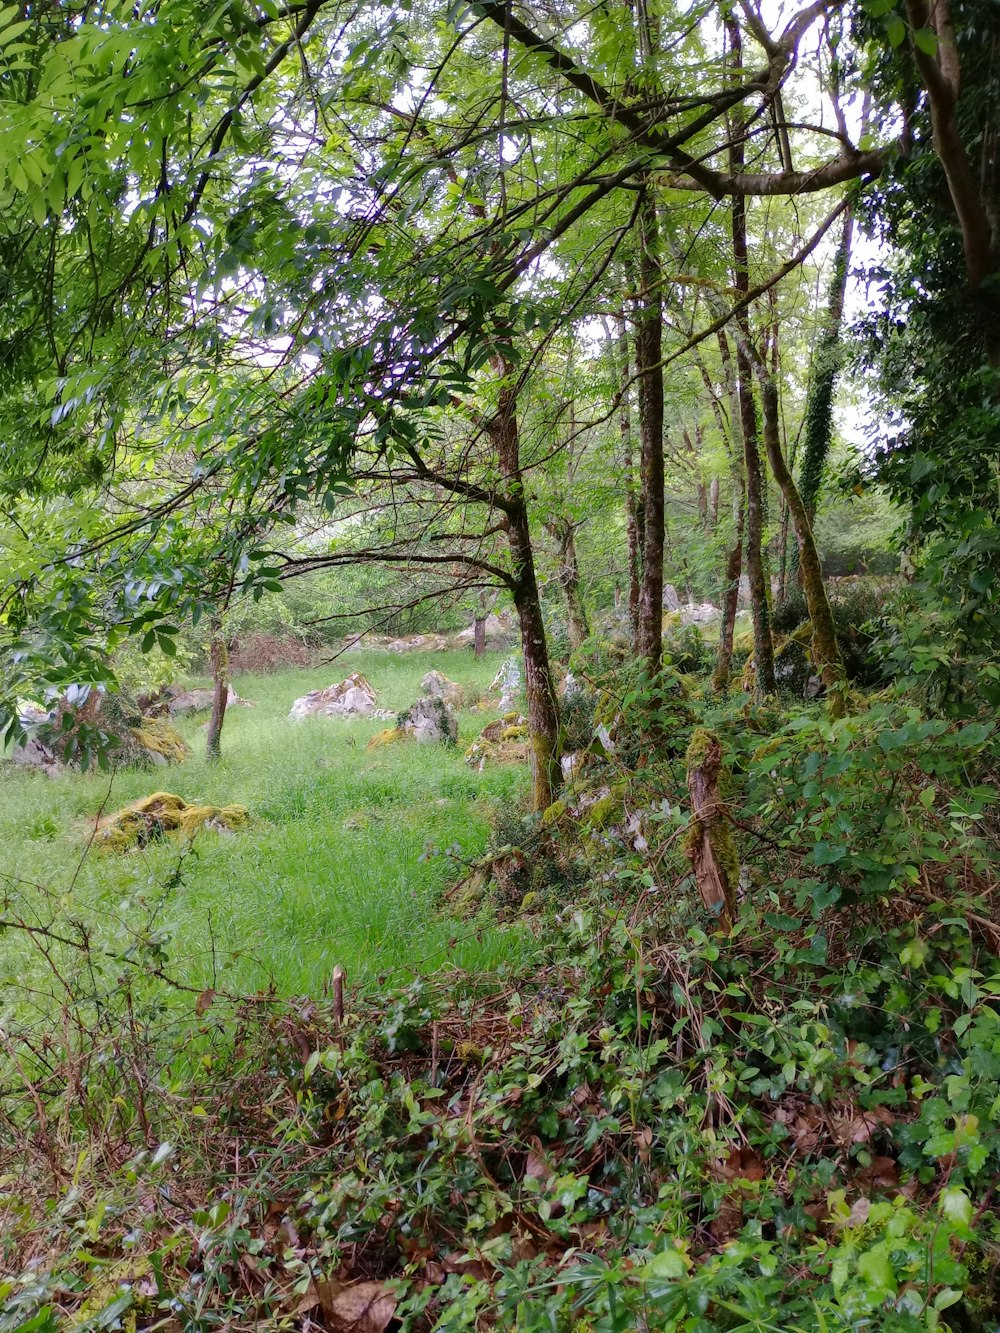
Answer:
(343, 863)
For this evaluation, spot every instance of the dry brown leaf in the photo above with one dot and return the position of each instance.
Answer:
(204, 1001)
(535, 1166)
(859, 1212)
(356, 1307)
(883, 1174)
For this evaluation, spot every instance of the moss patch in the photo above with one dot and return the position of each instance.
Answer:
(162, 815)
(156, 734)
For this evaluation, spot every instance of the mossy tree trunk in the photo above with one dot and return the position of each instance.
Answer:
(763, 647)
(826, 653)
(818, 426)
(729, 427)
(633, 508)
(539, 687)
(649, 368)
(563, 529)
(220, 691)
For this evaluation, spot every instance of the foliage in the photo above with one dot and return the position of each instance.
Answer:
(792, 1126)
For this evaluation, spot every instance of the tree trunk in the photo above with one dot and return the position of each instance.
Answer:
(539, 687)
(709, 842)
(763, 647)
(826, 654)
(818, 427)
(220, 692)
(730, 604)
(633, 525)
(649, 367)
(578, 627)
(756, 497)
(479, 636)
(734, 562)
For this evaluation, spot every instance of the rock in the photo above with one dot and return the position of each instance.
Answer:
(695, 614)
(671, 602)
(185, 703)
(34, 754)
(499, 631)
(161, 815)
(570, 688)
(88, 719)
(353, 697)
(508, 682)
(429, 720)
(571, 765)
(436, 686)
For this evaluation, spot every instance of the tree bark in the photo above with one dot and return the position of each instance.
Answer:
(818, 426)
(479, 636)
(826, 653)
(633, 524)
(733, 440)
(220, 692)
(709, 843)
(539, 687)
(649, 368)
(577, 624)
(756, 498)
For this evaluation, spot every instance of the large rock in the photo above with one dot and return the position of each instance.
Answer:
(671, 602)
(429, 720)
(163, 815)
(695, 614)
(353, 697)
(185, 703)
(86, 721)
(499, 631)
(436, 686)
(508, 682)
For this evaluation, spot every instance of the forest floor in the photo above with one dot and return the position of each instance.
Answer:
(622, 1112)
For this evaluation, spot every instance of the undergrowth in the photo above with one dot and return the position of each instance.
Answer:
(664, 1125)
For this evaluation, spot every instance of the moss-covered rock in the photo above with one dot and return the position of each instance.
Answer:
(157, 736)
(164, 815)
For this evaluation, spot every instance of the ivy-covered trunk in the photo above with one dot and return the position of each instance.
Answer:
(539, 687)
(633, 508)
(818, 425)
(220, 691)
(826, 654)
(649, 368)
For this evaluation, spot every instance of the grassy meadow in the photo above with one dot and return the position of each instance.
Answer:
(343, 862)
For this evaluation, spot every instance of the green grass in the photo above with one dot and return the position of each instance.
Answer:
(342, 864)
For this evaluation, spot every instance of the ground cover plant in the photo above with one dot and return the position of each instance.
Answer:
(650, 1121)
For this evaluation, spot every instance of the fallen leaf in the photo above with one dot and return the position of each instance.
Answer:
(356, 1307)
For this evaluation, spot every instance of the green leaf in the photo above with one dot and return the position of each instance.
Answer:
(926, 40)
(876, 1269)
(895, 30)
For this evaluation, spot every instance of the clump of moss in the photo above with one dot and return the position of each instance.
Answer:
(554, 813)
(163, 815)
(157, 735)
(515, 732)
(602, 812)
(387, 737)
